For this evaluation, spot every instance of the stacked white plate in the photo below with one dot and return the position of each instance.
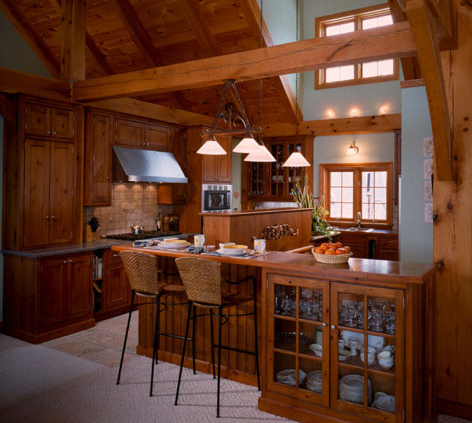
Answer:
(288, 377)
(314, 381)
(351, 388)
(233, 250)
(384, 402)
(175, 244)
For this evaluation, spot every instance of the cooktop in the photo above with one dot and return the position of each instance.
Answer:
(144, 235)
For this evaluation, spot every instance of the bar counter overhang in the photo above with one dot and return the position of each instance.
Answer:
(413, 280)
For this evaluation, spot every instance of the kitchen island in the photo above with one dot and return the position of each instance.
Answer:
(298, 297)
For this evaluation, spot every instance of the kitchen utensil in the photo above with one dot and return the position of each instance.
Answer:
(234, 253)
(353, 345)
(384, 402)
(314, 381)
(351, 388)
(260, 246)
(231, 249)
(94, 224)
(178, 244)
(199, 240)
(343, 354)
(288, 377)
(370, 355)
(317, 349)
(137, 229)
(385, 360)
(159, 223)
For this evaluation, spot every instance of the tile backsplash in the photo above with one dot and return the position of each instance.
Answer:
(132, 204)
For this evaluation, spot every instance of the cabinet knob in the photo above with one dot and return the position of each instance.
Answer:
(49, 132)
(47, 217)
(144, 143)
(53, 217)
(54, 133)
(116, 255)
(333, 327)
(70, 261)
(65, 261)
(108, 177)
(324, 325)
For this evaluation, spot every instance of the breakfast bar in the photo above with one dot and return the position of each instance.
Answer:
(343, 342)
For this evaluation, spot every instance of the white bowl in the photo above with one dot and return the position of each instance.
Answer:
(235, 248)
(174, 244)
(288, 377)
(317, 349)
(226, 244)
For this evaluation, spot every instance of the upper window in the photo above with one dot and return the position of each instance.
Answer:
(350, 189)
(362, 73)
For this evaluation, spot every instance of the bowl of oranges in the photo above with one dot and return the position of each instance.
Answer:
(332, 253)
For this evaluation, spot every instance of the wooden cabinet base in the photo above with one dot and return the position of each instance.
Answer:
(52, 334)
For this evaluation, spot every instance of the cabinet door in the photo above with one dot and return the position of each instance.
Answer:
(157, 137)
(98, 165)
(277, 174)
(38, 119)
(61, 186)
(62, 123)
(180, 153)
(36, 205)
(129, 133)
(388, 254)
(209, 171)
(367, 357)
(298, 338)
(224, 162)
(79, 286)
(117, 286)
(53, 291)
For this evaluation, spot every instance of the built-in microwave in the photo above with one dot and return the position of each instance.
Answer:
(216, 197)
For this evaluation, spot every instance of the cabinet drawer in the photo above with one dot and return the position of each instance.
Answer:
(350, 239)
(388, 242)
(388, 254)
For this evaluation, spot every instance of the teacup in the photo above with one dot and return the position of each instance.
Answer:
(370, 355)
(353, 345)
(341, 344)
(385, 359)
(390, 348)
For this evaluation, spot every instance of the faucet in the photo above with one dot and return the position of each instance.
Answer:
(359, 217)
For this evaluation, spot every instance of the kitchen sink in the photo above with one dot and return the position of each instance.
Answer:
(356, 229)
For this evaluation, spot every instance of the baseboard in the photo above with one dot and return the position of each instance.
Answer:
(462, 411)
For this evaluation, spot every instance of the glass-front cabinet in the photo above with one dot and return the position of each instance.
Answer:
(338, 345)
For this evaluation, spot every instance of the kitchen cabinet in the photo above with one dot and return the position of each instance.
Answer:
(43, 175)
(66, 291)
(98, 183)
(157, 137)
(273, 182)
(45, 121)
(335, 348)
(139, 134)
(218, 168)
(371, 245)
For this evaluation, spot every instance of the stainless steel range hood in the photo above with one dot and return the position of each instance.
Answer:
(149, 166)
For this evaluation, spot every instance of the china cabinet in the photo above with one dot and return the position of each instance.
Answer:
(341, 349)
(273, 182)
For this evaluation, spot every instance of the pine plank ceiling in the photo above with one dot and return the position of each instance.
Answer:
(128, 35)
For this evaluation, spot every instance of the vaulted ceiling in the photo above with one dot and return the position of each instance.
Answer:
(128, 35)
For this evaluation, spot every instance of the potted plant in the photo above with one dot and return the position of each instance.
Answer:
(305, 199)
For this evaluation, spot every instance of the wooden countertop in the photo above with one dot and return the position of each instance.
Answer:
(354, 270)
(236, 213)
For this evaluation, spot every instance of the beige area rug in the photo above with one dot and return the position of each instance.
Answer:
(39, 384)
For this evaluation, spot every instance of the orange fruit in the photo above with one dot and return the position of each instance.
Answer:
(332, 245)
(324, 246)
(348, 249)
(339, 244)
(330, 252)
(340, 251)
(319, 250)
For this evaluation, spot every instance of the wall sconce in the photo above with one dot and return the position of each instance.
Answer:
(355, 112)
(330, 113)
(353, 149)
(384, 109)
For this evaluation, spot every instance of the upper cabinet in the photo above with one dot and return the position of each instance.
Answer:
(45, 121)
(150, 136)
(157, 137)
(273, 182)
(218, 168)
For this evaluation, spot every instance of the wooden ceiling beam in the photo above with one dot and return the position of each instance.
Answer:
(443, 12)
(252, 12)
(73, 40)
(342, 126)
(36, 43)
(13, 82)
(429, 56)
(152, 111)
(410, 66)
(393, 41)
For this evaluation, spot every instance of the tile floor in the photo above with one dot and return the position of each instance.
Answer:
(102, 344)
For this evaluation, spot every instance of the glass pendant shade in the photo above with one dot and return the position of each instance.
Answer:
(296, 159)
(247, 145)
(261, 155)
(212, 148)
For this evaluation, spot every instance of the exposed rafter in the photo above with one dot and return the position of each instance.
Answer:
(427, 41)
(35, 42)
(351, 125)
(375, 44)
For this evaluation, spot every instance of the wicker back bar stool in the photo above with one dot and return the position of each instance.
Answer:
(202, 281)
(144, 276)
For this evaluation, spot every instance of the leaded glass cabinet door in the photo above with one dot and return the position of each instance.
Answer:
(298, 338)
(367, 355)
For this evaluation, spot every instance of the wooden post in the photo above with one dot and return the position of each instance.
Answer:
(73, 40)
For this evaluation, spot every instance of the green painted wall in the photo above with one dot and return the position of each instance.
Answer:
(416, 236)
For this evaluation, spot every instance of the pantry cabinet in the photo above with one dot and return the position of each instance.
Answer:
(343, 349)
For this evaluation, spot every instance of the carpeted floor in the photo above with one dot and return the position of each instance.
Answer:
(73, 379)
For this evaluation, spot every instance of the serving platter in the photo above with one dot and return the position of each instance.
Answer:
(234, 253)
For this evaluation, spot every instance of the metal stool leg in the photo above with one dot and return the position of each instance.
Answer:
(126, 337)
(183, 351)
(212, 343)
(154, 348)
(220, 324)
(193, 339)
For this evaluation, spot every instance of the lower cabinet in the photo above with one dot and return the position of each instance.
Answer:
(366, 245)
(338, 349)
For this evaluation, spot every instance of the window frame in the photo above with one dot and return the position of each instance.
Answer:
(356, 16)
(357, 168)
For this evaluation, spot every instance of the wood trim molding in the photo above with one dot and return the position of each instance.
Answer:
(462, 411)
(412, 83)
(375, 44)
(351, 125)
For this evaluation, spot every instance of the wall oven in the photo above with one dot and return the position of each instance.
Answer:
(216, 197)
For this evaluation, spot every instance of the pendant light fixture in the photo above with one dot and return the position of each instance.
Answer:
(211, 147)
(262, 153)
(296, 159)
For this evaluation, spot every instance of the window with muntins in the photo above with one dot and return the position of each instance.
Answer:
(362, 73)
